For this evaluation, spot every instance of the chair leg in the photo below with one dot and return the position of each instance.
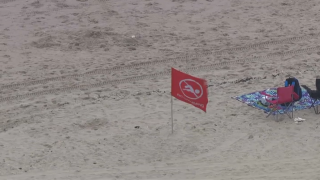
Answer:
(276, 112)
(312, 106)
(288, 114)
(272, 111)
(286, 110)
(275, 115)
(316, 108)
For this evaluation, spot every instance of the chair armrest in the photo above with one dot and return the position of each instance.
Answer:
(295, 96)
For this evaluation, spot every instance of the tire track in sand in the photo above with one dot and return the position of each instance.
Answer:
(163, 73)
(163, 61)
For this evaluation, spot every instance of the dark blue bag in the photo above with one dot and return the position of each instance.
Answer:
(294, 82)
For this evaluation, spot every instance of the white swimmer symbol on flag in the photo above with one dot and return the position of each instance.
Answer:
(191, 89)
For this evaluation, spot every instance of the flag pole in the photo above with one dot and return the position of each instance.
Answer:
(171, 105)
(171, 114)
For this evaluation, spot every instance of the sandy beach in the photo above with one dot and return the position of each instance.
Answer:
(85, 89)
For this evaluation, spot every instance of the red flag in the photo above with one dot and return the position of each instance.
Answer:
(189, 89)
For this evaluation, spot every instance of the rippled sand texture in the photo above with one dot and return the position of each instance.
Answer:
(83, 99)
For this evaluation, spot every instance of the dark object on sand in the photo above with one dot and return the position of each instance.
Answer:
(314, 94)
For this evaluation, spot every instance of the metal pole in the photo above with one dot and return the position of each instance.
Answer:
(171, 114)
